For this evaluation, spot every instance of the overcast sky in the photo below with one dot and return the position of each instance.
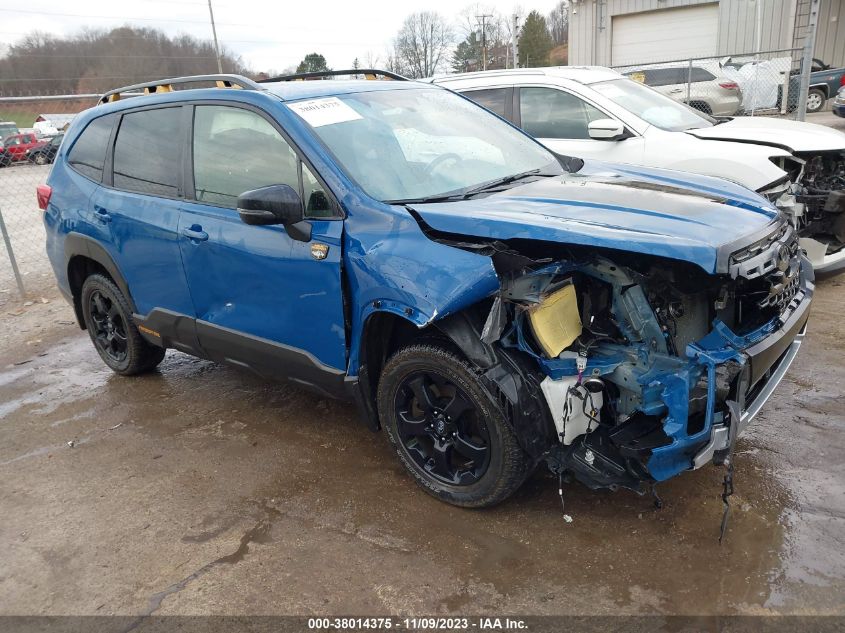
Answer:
(268, 35)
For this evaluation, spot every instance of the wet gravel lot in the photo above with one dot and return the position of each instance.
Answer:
(200, 489)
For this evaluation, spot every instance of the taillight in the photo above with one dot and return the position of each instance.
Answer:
(729, 85)
(43, 193)
(842, 80)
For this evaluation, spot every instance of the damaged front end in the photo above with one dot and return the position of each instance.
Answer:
(648, 366)
(814, 197)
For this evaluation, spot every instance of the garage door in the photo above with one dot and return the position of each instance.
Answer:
(665, 35)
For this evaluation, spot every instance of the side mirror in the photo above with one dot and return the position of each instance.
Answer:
(276, 204)
(606, 130)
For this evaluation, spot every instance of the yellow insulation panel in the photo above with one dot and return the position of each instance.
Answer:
(556, 322)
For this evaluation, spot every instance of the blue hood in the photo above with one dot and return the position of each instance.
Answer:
(654, 211)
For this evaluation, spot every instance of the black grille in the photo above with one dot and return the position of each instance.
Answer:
(767, 273)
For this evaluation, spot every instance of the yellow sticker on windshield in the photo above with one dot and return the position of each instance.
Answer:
(638, 77)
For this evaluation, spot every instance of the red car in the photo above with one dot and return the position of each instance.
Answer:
(16, 146)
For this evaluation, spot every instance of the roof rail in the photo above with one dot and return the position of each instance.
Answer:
(369, 73)
(166, 85)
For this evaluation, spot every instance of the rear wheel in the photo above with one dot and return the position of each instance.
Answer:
(447, 429)
(815, 100)
(108, 319)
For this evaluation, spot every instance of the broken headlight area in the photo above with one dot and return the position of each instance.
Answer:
(814, 197)
(638, 362)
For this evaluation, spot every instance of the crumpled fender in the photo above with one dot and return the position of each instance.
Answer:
(391, 266)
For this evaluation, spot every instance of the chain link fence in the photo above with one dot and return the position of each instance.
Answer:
(767, 83)
(30, 131)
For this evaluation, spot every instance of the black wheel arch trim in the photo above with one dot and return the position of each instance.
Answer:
(511, 377)
(79, 245)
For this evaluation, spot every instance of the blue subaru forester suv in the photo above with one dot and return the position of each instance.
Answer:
(491, 305)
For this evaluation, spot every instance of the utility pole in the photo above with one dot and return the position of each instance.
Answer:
(214, 32)
(807, 59)
(483, 19)
(515, 40)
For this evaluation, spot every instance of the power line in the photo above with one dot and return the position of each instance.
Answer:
(84, 56)
(119, 17)
(228, 40)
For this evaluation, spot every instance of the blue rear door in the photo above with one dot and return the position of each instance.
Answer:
(261, 299)
(139, 204)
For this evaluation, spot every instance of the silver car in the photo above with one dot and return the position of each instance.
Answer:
(703, 86)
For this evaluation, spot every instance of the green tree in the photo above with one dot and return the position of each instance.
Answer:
(467, 54)
(535, 42)
(313, 63)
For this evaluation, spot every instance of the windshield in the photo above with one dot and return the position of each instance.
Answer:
(420, 143)
(651, 106)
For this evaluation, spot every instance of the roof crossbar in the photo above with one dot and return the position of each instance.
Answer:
(166, 85)
(369, 73)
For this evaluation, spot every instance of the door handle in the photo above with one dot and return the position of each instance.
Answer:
(676, 90)
(102, 214)
(195, 233)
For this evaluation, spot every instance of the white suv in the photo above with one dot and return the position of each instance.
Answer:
(594, 112)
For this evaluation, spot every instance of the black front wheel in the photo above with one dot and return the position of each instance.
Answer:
(447, 429)
(108, 320)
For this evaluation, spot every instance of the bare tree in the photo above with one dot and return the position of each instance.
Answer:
(94, 60)
(372, 59)
(422, 45)
(393, 61)
(558, 22)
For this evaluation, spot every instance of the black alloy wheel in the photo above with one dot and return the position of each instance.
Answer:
(108, 319)
(109, 327)
(439, 429)
(448, 430)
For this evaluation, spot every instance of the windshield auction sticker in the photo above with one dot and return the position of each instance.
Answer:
(318, 112)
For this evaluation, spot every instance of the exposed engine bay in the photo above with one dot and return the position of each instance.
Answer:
(638, 359)
(815, 199)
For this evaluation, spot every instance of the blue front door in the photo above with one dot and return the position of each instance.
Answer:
(261, 299)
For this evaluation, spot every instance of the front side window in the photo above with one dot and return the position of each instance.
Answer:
(88, 153)
(236, 150)
(551, 113)
(409, 144)
(147, 152)
(494, 99)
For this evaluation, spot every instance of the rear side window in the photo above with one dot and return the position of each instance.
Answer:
(665, 76)
(492, 99)
(699, 74)
(88, 153)
(147, 152)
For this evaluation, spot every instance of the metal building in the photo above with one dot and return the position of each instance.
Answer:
(619, 32)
